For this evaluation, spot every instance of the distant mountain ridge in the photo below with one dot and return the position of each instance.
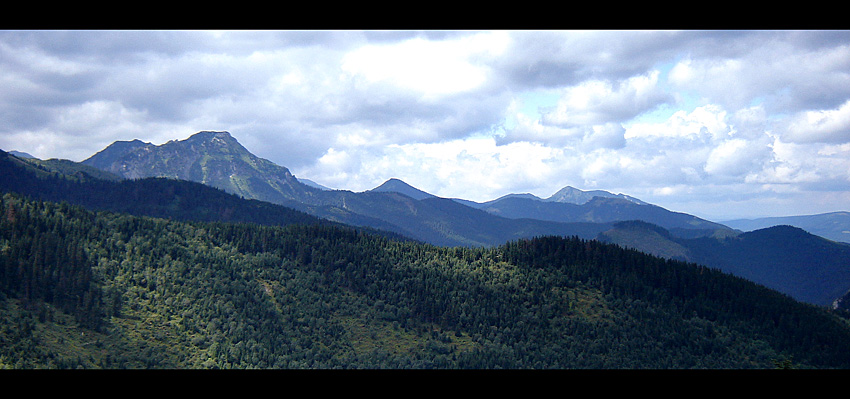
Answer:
(573, 205)
(832, 225)
(788, 259)
(20, 154)
(110, 158)
(217, 159)
(156, 197)
(313, 184)
(572, 195)
(398, 186)
(566, 195)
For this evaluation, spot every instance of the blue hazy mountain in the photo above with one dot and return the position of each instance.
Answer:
(788, 259)
(20, 154)
(833, 225)
(573, 205)
(398, 186)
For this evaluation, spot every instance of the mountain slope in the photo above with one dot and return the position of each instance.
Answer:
(807, 267)
(156, 197)
(110, 158)
(71, 168)
(449, 223)
(834, 225)
(789, 259)
(212, 158)
(160, 294)
(647, 237)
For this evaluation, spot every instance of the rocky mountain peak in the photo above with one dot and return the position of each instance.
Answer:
(215, 158)
(572, 195)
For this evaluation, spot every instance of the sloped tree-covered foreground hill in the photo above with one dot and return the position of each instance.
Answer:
(84, 289)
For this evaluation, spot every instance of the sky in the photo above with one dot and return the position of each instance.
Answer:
(720, 124)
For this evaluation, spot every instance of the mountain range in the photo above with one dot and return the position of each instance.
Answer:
(217, 160)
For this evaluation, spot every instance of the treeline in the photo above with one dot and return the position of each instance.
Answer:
(154, 293)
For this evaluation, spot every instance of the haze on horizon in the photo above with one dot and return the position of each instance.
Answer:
(718, 124)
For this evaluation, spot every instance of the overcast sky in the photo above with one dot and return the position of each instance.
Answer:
(719, 124)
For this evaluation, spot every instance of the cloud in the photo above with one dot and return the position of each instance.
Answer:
(785, 71)
(598, 102)
(704, 123)
(814, 166)
(732, 157)
(667, 116)
(589, 115)
(431, 68)
(820, 126)
(447, 168)
(557, 59)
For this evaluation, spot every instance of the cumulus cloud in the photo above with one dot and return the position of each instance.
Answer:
(786, 71)
(820, 126)
(598, 102)
(704, 123)
(473, 168)
(557, 59)
(732, 157)
(669, 116)
(431, 68)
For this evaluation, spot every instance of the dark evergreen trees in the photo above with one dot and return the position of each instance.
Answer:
(156, 293)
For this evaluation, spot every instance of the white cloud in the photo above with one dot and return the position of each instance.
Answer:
(473, 168)
(673, 116)
(432, 68)
(704, 123)
(785, 70)
(599, 102)
(609, 135)
(823, 126)
(732, 157)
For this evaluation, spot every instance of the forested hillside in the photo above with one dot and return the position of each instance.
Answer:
(807, 267)
(110, 290)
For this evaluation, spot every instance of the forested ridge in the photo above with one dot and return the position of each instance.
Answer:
(85, 289)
